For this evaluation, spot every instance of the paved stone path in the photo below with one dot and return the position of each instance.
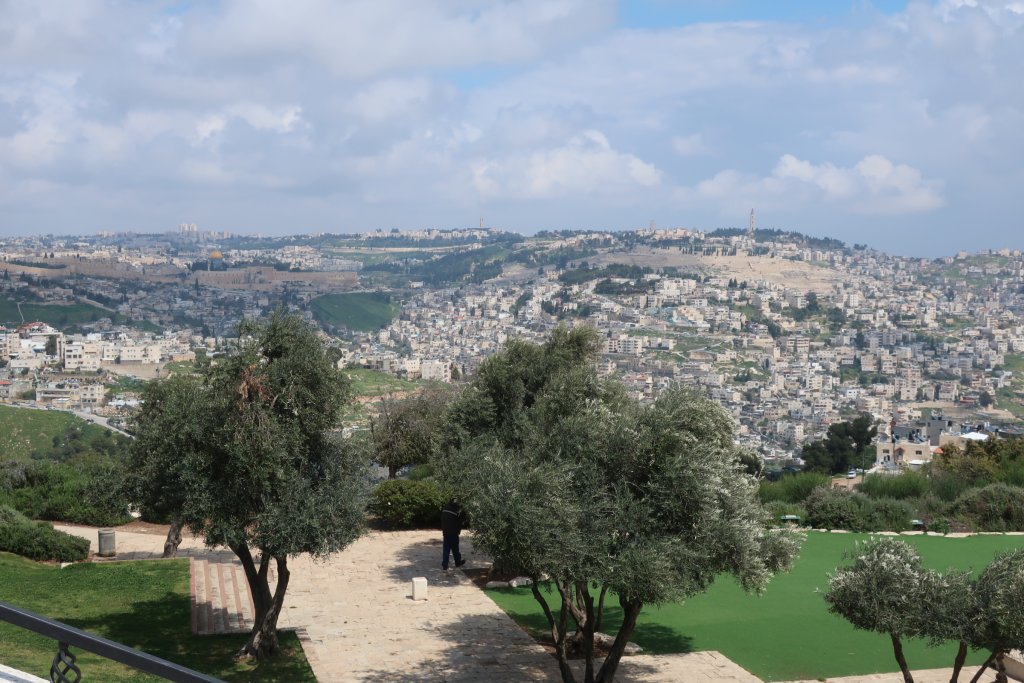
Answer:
(221, 602)
(359, 623)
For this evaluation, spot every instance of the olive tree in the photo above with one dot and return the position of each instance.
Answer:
(881, 591)
(407, 431)
(568, 479)
(252, 461)
(1000, 599)
(171, 431)
(948, 612)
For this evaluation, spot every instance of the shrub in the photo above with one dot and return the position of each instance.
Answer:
(835, 509)
(67, 493)
(948, 487)
(793, 488)
(1012, 472)
(406, 504)
(900, 487)
(419, 472)
(997, 507)
(841, 509)
(888, 514)
(38, 540)
(9, 515)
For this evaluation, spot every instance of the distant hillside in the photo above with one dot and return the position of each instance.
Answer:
(61, 315)
(775, 235)
(24, 431)
(360, 311)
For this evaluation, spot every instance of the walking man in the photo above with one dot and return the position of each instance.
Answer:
(451, 527)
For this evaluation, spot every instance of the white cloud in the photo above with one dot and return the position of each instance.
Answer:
(367, 38)
(872, 186)
(586, 165)
(397, 99)
(261, 117)
(690, 145)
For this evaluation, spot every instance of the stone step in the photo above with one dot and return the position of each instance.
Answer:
(221, 602)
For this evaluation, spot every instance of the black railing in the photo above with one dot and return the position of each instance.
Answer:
(64, 670)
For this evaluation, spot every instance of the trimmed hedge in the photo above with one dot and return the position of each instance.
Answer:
(407, 504)
(38, 540)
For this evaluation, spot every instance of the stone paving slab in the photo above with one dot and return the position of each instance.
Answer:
(357, 621)
(9, 675)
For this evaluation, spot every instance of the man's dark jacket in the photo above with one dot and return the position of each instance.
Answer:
(451, 519)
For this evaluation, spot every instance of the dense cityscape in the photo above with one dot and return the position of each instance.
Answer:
(790, 333)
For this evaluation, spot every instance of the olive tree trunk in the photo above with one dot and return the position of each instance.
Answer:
(958, 663)
(897, 649)
(983, 668)
(630, 612)
(173, 539)
(267, 605)
(558, 632)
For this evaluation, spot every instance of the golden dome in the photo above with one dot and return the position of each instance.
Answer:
(216, 254)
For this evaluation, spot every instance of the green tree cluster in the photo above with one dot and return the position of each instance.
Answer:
(887, 590)
(571, 482)
(846, 445)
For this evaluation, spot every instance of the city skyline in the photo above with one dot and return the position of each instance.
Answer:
(888, 123)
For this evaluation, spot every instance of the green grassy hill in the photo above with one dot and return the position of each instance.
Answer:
(361, 311)
(62, 315)
(24, 430)
(373, 384)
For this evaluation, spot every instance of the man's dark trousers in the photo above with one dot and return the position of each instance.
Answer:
(451, 545)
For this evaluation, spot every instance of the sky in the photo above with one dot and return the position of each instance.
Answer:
(893, 123)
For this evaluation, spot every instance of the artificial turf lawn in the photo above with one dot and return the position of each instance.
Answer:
(144, 604)
(787, 633)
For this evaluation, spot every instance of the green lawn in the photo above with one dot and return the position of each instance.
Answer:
(23, 430)
(144, 604)
(787, 633)
(361, 311)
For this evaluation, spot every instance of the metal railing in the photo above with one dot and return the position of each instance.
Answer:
(63, 668)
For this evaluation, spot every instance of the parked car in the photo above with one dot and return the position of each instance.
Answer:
(852, 474)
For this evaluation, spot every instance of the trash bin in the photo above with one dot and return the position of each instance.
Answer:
(108, 547)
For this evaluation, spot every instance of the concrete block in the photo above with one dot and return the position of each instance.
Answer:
(419, 588)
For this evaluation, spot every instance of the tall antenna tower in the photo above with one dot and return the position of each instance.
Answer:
(753, 224)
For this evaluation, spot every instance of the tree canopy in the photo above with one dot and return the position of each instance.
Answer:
(846, 445)
(566, 476)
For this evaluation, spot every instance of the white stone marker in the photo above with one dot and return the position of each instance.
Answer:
(419, 588)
